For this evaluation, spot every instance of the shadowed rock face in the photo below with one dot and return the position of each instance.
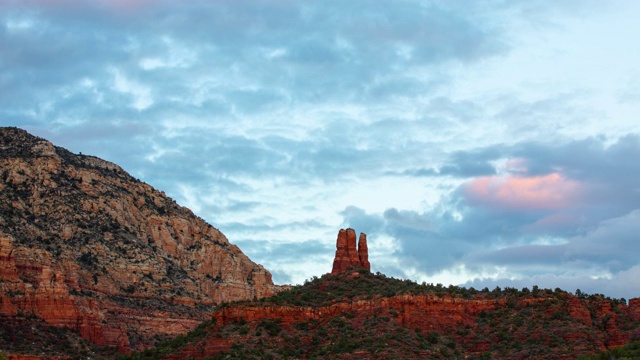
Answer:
(363, 251)
(86, 246)
(347, 255)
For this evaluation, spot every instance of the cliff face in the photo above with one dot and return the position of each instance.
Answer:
(347, 255)
(85, 246)
(363, 252)
(425, 312)
(349, 315)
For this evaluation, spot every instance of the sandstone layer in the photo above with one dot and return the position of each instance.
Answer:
(86, 246)
(347, 254)
(363, 251)
(424, 314)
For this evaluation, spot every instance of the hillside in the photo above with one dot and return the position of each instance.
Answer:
(85, 246)
(359, 315)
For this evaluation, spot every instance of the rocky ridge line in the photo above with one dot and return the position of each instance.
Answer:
(423, 321)
(86, 246)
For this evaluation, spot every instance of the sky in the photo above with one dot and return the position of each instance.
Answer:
(491, 143)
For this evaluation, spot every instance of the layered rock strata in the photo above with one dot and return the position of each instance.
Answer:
(426, 313)
(347, 254)
(86, 246)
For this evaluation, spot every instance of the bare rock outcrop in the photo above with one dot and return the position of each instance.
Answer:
(347, 254)
(363, 251)
(634, 309)
(464, 319)
(86, 246)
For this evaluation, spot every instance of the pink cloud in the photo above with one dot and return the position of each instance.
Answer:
(517, 165)
(548, 192)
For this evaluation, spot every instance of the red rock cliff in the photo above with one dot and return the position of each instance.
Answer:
(424, 314)
(634, 309)
(86, 246)
(347, 255)
(363, 251)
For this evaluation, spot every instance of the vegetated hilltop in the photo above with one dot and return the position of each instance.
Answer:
(85, 246)
(353, 314)
(359, 315)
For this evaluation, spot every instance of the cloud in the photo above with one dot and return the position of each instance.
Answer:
(620, 285)
(548, 192)
(611, 245)
(462, 164)
(285, 260)
(249, 55)
(531, 219)
(408, 220)
(456, 134)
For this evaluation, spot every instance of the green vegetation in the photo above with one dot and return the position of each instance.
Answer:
(30, 335)
(542, 330)
(332, 338)
(330, 289)
(172, 345)
(511, 323)
(627, 352)
(527, 323)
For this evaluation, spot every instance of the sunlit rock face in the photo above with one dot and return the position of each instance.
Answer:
(86, 246)
(347, 255)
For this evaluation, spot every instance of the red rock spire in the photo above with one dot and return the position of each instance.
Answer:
(363, 252)
(341, 261)
(347, 255)
(352, 251)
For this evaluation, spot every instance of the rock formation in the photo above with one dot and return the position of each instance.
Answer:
(363, 251)
(86, 246)
(634, 309)
(499, 326)
(347, 255)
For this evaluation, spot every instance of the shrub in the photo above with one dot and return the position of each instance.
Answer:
(433, 337)
(271, 326)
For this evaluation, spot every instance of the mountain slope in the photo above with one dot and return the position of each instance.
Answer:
(359, 315)
(86, 246)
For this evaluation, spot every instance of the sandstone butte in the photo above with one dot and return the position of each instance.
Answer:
(86, 246)
(347, 256)
(428, 312)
